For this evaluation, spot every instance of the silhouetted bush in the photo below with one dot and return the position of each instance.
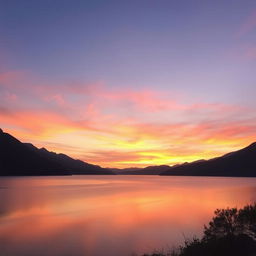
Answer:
(231, 232)
(229, 245)
(231, 222)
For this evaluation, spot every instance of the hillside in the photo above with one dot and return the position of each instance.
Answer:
(241, 163)
(17, 158)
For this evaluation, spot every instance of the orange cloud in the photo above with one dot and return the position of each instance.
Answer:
(120, 128)
(37, 122)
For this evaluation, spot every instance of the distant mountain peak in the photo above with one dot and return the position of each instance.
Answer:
(1, 131)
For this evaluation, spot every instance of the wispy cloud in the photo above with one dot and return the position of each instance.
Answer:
(248, 26)
(121, 128)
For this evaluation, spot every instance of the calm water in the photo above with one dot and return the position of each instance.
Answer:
(110, 215)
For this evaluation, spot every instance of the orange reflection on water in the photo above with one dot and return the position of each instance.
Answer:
(117, 215)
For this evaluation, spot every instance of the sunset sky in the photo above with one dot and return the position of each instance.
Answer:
(129, 83)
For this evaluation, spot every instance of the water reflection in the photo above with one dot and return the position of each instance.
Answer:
(89, 215)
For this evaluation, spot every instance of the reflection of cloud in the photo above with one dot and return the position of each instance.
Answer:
(76, 219)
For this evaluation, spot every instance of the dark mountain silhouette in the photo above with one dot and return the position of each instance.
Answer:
(241, 163)
(150, 170)
(76, 166)
(125, 170)
(17, 158)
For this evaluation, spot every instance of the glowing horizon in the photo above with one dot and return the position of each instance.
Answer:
(108, 130)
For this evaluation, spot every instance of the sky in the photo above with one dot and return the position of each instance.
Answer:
(129, 83)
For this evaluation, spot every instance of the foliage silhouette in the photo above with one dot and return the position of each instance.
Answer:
(231, 232)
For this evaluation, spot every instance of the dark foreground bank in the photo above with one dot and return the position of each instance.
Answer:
(231, 232)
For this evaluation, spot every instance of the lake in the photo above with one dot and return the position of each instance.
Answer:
(110, 215)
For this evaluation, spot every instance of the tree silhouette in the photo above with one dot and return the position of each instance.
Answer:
(232, 222)
(247, 220)
(231, 232)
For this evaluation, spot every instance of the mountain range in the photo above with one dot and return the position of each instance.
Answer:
(17, 158)
(241, 163)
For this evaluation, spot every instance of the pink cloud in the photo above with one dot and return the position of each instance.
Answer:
(105, 110)
(120, 118)
(38, 122)
(79, 98)
(250, 53)
(244, 52)
(13, 79)
(57, 98)
(11, 97)
(248, 25)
